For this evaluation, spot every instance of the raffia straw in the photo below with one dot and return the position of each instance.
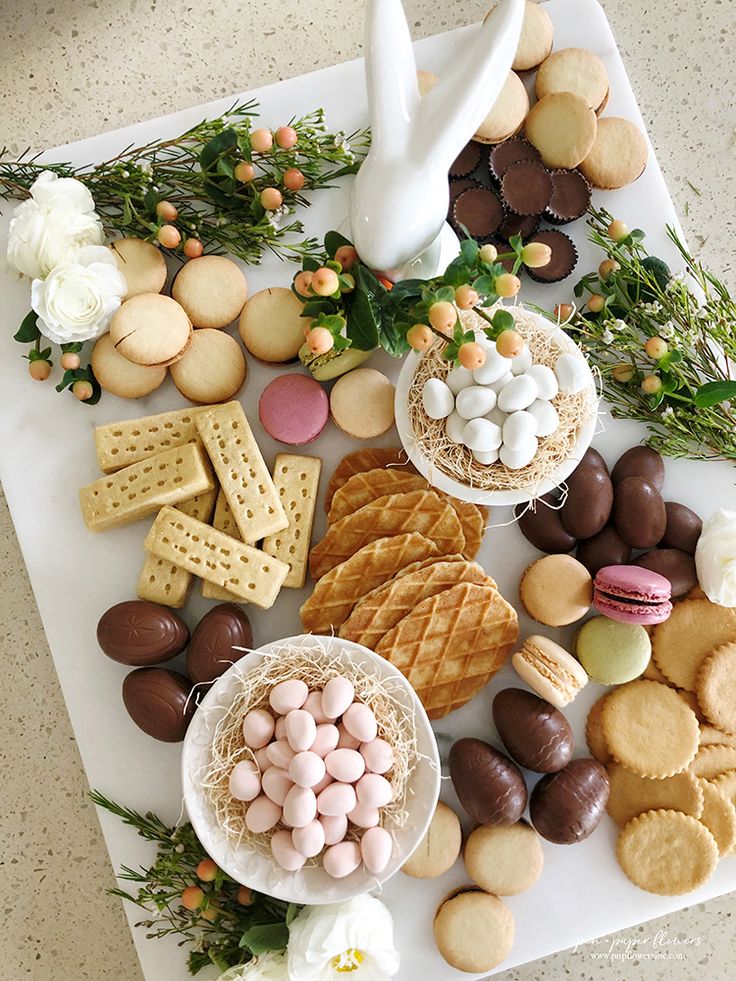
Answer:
(315, 666)
(457, 461)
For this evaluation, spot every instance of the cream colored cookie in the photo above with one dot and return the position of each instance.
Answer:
(682, 642)
(508, 113)
(121, 377)
(151, 329)
(426, 82)
(562, 126)
(212, 289)
(716, 687)
(272, 326)
(212, 370)
(719, 816)
(535, 41)
(504, 860)
(632, 795)
(362, 403)
(142, 265)
(617, 157)
(594, 732)
(574, 70)
(474, 931)
(439, 848)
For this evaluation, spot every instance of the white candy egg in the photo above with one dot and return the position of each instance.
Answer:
(301, 730)
(518, 429)
(324, 782)
(475, 401)
(262, 815)
(288, 695)
(337, 697)
(482, 435)
(313, 705)
(258, 727)
(340, 860)
(502, 382)
(309, 840)
(280, 730)
(335, 825)
(360, 722)
(364, 817)
(284, 852)
(547, 386)
(373, 790)
(378, 755)
(516, 459)
(280, 753)
(337, 799)
(437, 399)
(346, 765)
(497, 417)
(546, 415)
(325, 740)
(276, 784)
(571, 374)
(522, 361)
(300, 807)
(458, 379)
(376, 846)
(307, 769)
(454, 427)
(346, 740)
(485, 459)
(517, 394)
(262, 758)
(245, 781)
(494, 368)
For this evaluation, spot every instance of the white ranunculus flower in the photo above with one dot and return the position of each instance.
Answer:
(78, 298)
(266, 967)
(58, 219)
(352, 940)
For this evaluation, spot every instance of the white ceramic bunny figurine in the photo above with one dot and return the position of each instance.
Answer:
(400, 196)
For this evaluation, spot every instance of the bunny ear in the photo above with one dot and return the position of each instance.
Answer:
(391, 76)
(452, 111)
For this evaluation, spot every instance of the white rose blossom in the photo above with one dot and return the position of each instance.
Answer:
(77, 299)
(355, 938)
(265, 967)
(58, 219)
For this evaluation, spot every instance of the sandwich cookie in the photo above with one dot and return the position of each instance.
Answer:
(632, 594)
(121, 377)
(535, 41)
(504, 860)
(438, 850)
(362, 403)
(272, 326)
(151, 329)
(556, 590)
(549, 670)
(212, 369)
(562, 126)
(142, 265)
(473, 930)
(618, 155)
(574, 70)
(508, 113)
(212, 289)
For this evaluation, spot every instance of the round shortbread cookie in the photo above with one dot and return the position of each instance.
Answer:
(504, 860)
(725, 783)
(426, 82)
(632, 795)
(212, 289)
(562, 126)
(508, 113)
(618, 155)
(712, 761)
(710, 735)
(439, 848)
(142, 265)
(719, 816)
(212, 370)
(667, 852)
(272, 326)
(651, 672)
(594, 732)
(121, 377)
(694, 629)
(649, 729)
(474, 931)
(535, 40)
(716, 687)
(362, 403)
(574, 70)
(151, 329)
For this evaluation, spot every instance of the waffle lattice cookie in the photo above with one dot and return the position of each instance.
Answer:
(337, 592)
(397, 514)
(452, 644)
(392, 457)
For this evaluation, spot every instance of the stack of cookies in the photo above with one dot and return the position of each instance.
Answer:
(395, 573)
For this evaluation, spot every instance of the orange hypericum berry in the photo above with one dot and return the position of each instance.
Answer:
(656, 348)
(320, 340)
(507, 285)
(294, 179)
(271, 198)
(286, 137)
(193, 248)
(324, 281)
(244, 172)
(302, 282)
(261, 140)
(443, 317)
(623, 373)
(167, 211)
(510, 344)
(39, 370)
(607, 267)
(82, 390)
(346, 255)
(596, 302)
(618, 230)
(169, 236)
(471, 355)
(192, 897)
(563, 311)
(466, 297)
(536, 254)
(207, 870)
(69, 361)
(419, 337)
(651, 384)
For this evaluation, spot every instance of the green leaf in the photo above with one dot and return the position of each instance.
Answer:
(450, 352)
(218, 146)
(445, 294)
(484, 285)
(469, 250)
(712, 393)
(457, 273)
(28, 331)
(309, 264)
(264, 937)
(74, 348)
(364, 310)
(516, 243)
(579, 288)
(292, 911)
(503, 320)
(313, 308)
(392, 336)
(334, 241)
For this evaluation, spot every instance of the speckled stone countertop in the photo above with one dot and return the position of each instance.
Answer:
(72, 68)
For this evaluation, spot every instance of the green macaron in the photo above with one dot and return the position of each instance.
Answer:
(612, 652)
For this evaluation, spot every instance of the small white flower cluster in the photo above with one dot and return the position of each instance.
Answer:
(55, 238)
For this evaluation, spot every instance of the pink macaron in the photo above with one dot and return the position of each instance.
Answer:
(631, 594)
(294, 409)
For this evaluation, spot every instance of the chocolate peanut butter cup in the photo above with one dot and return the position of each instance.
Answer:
(466, 161)
(478, 210)
(526, 187)
(510, 152)
(570, 197)
(564, 256)
(524, 225)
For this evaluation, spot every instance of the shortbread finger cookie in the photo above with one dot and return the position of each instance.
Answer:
(121, 377)
(618, 155)
(151, 329)
(247, 572)
(296, 479)
(119, 444)
(272, 326)
(563, 127)
(508, 113)
(212, 289)
(716, 687)
(142, 265)
(222, 520)
(212, 369)
(574, 70)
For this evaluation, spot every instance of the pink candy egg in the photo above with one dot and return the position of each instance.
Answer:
(288, 695)
(301, 730)
(245, 781)
(325, 740)
(340, 860)
(262, 815)
(313, 705)
(280, 753)
(276, 784)
(338, 798)
(258, 726)
(335, 827)
(360, 722)
(337, 696)
(375, 849)
(307, 769)
(282, 848)
(309, 840)
(378, 755)
(324, 782)
(373, 790)
(300, 807)
(280, 730)
(346, 765)
(345, 740)
(364, 817)
(262, 759)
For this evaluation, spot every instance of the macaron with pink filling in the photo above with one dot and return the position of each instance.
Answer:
(632, 594)
(294, 409)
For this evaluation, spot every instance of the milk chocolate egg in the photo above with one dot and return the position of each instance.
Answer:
(640, 461)
(139, 633)
(541, 525)
(536, 734)
(674, 564)
(212, 649)
(592, 458)
(158, 701)
(605, 548)
(683, 527)
(567, 806)
(488, 784)
(639, 513)
(589, 500)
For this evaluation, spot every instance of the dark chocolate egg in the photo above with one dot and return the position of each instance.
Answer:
(158, 702)
(605, 548)
(567, 806)
(639, 513)
(683, 527)
(488, 784)
(640, 461)
(673, 564)
(536, 734)
(140, 633)
(212, 647)
(589, 500)
(541, 525)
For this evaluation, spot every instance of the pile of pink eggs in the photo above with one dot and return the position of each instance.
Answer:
(319, 772)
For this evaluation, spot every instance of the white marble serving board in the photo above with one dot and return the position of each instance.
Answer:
(46, 454)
